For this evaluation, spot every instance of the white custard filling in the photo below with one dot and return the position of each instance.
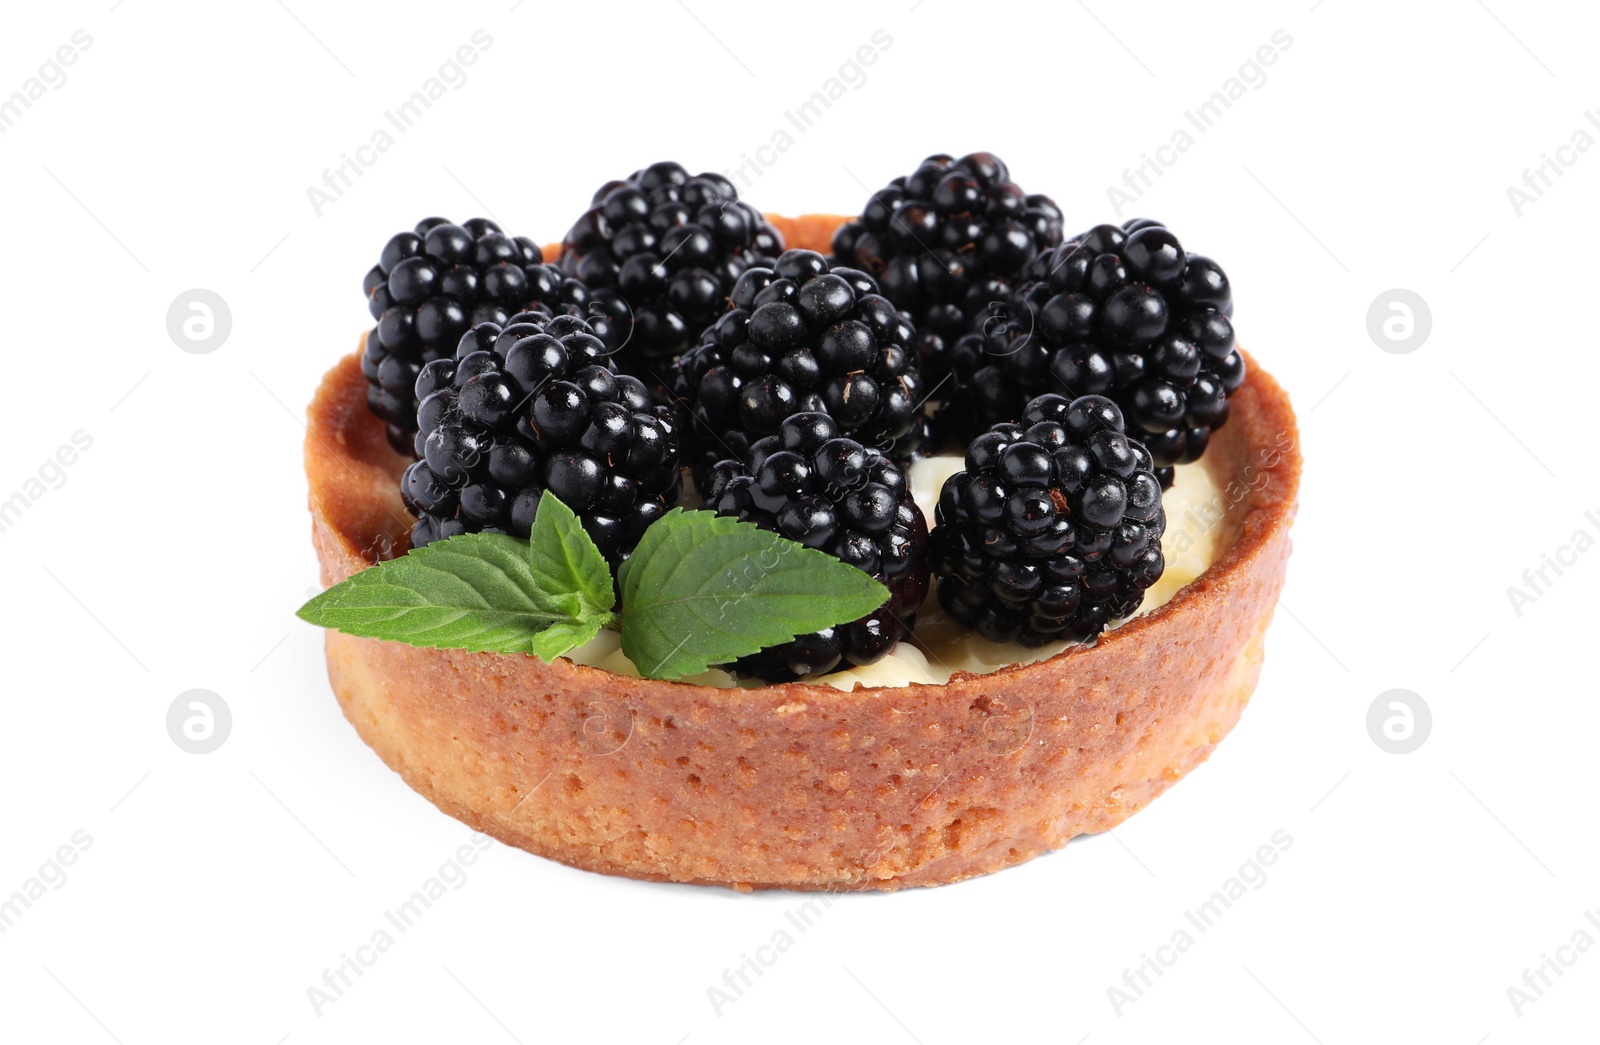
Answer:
(939, 646)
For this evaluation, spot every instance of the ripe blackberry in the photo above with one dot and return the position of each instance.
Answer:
(530, 406)
(1054, 528)
(946, 241)
(1121, 312)
(434, 282)
(670, 247)
(833, 494)
(803, 336)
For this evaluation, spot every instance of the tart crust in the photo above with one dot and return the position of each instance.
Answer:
(799, 786)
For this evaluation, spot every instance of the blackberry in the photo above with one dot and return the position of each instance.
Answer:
(1054, 528)
(812, 485)
(534, 405)
(803, 336)
(434, 282)
(946, 241)
(1122, 312)
(670, 247)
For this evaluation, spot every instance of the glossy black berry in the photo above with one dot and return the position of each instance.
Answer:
(667, 247)
(802, 336)
(1053, 529)
(1123, 312)
(948, 242)
(431, 284)
(533, 405)
(830, 493)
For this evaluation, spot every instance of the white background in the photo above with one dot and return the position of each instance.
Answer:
(1376, 155)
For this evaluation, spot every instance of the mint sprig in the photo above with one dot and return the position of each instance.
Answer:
(483, 592)
(700, 589)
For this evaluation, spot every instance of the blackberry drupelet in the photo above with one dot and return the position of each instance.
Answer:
(1122, 312)
(1054, 528)
(837, 496)
(946, 241)
(802, 336)
(434, 282)
(530, 406)
(670, 247)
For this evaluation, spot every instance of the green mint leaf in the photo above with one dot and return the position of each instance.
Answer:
(565, 560)
(702, 589)
(481, 592)
(564, 636)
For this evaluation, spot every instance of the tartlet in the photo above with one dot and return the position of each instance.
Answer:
(802, 786)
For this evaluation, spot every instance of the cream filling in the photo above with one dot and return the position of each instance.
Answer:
(939, 646)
